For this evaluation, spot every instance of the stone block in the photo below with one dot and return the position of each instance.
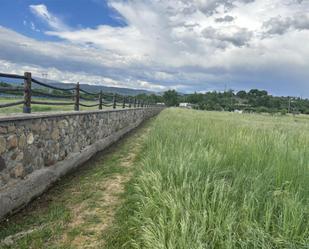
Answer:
(30, 138)
(2, 145)
(12, 142)
(2, 164)
(18, 171)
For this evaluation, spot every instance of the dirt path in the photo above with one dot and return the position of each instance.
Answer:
(78, 210)
(110, 191)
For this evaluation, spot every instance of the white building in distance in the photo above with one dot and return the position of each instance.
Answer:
(186, 105)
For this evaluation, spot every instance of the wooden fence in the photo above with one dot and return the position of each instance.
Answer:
(76, 95)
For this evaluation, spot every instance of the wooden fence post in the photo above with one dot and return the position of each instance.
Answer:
(114, 101)
(101, 100)
(27, 93)
(76, 107)
(124, 102)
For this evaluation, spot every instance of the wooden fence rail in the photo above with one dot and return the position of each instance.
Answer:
(75, 94)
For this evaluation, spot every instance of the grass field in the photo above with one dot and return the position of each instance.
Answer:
(219, 180)
(190, 180)
(41, 108)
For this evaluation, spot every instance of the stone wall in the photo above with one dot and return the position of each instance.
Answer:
(37, 149)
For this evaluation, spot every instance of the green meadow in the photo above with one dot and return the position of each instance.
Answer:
(41, 108)
(218, 180)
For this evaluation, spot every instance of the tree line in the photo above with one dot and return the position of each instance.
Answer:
(254, 100)
(249, 101)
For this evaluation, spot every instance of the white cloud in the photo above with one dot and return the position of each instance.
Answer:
(189, 45)
(67, 62)
(53, 21)
(33, 27)
(73, 77)
(279, 25)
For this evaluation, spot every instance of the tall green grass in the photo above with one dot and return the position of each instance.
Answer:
(220, 180)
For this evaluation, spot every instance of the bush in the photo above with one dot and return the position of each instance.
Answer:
(261, 109)
(306, 111)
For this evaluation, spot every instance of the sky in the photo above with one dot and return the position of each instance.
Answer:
(197, 45)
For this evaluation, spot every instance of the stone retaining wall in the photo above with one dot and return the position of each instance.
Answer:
(37, 149)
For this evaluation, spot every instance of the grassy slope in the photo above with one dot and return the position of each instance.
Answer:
(219, 180)
(41, 108)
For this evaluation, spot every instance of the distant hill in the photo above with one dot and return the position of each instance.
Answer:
(106, 89)
(87, 87)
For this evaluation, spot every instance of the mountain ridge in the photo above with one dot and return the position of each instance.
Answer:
(87, 87)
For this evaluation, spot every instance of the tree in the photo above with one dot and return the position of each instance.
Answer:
(171, 98)
(3, 84)
(195, 98)
(256, 92)
(241, 94)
